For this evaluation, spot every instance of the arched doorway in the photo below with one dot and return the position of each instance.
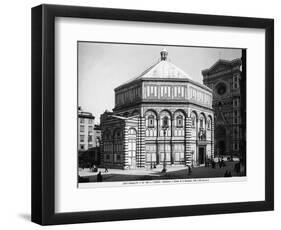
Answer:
(220, 139)
(132, 137)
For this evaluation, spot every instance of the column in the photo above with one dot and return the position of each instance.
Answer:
(141, 158)
(157, 136)
(212, 138)
(125, 147)
(188, 156)
(102, 148)
(171, 142)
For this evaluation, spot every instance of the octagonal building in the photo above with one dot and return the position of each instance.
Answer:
(160, 117)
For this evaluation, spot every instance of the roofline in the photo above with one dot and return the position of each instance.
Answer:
(117, 109)
(201, 85)
(127, 84)
(232, 63)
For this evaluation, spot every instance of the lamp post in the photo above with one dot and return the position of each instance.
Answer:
(165, 126)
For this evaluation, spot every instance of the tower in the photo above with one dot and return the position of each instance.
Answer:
(224, 78)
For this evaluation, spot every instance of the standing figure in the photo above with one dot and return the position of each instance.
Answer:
(189, 170)
(99, 177)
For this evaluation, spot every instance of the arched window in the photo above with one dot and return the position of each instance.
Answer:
(117, 134)
(179, 121)
(193, 121)
(107, 135)
(201, 122)
(132, 132)
(235, 133)
(209, 124)
(165, 122)
(151, 121)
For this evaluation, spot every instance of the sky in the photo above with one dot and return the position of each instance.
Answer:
(104, 66)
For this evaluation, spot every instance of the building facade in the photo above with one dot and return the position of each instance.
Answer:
(224, 78)
(160, 117)
(89, 134)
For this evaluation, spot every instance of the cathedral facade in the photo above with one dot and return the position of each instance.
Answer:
(160, 117)
(224, 78)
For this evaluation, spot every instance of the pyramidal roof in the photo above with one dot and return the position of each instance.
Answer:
(162, 69)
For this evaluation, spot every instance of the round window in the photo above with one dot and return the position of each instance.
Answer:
(221, 89)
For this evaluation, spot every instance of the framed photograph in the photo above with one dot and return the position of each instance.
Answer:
(143, 114)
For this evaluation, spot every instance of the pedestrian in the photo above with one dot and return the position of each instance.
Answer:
(213, 164)
(220, 163)
(189, 170)
(95, 168)
(226, 173)
(208, 162)
(237, 168)
(105, 169)
(99, 177)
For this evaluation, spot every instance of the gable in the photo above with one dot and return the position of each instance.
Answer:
(220, 66)
(220, 119)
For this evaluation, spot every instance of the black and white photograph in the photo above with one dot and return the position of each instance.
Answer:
(140, 114)
(152, 114)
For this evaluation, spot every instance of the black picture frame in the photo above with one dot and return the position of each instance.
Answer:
(43, 114)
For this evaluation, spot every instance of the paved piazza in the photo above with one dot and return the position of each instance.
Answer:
(173, 172)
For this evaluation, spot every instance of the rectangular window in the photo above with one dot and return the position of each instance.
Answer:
(234, 82)
(150, 121)
(162, 157)
(90, 138)
(82, 128)
(82, 120)
(90, 121)
(235, 102)
(90, 128)
(82, 147)
(148, 157)
(82, 138)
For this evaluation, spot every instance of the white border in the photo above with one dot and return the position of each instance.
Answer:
(162, 182)
(70, 199)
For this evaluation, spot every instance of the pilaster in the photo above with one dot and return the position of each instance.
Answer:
(141, 158)
(125, 147)
(188, 156)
